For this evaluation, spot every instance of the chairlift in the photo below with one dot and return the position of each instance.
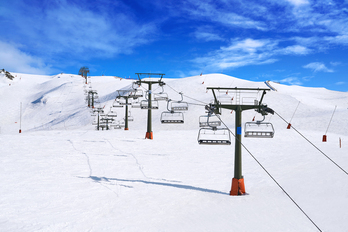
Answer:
(259, 129)
(161, 96)
(112, 113)
(144, 104)
(136, 104)
(130, 117)
(116, 103)
(171, 117)
(214, 136)
(122, 123)
(179, 105)
(123, 102)
(136, 93)
(209, 120)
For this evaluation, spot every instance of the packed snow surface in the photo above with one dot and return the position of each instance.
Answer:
(61, 174)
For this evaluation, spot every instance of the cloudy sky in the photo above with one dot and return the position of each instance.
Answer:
(295, 42)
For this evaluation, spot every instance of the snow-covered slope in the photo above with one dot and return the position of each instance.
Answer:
(60, 174)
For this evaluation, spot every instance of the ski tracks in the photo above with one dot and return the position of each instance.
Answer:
(140, 167)
(90, 168)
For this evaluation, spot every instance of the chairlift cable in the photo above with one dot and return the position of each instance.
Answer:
(314, 145)
(269, 174)
(295, 111)
(196, 104)
(331, 119)
(187, 96)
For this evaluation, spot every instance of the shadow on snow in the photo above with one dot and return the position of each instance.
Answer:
(180, 186)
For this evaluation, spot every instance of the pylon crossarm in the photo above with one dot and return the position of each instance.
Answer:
(149, 75)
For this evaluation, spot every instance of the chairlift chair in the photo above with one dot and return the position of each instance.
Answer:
(112, 113)
(209, 120)
(136, 104)
(130, 117)
(144, 104)
(214, 136)
(179, 105)
(171, 117)
(161, 96)
(123, 102)
(259, 129)
(116, 103)
(122, 123)
(136, 93)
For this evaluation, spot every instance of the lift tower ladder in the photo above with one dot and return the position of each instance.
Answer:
(150, 82)
(238, 186)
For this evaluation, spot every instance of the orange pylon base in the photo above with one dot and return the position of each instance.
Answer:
(149, 135)
(238, 187)
(126, 129)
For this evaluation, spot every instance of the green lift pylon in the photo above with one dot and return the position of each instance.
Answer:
(126, 95)
(149, 133)
(238, 187)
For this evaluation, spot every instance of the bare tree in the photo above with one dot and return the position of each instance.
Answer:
(84, 71)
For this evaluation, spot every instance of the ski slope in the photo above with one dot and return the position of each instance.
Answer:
(60, 174)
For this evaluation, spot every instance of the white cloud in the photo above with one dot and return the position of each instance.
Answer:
(243, 52)
(335, 63)
(340, 83)
(239, 53)
(209, 11)
(14, 60)
(291, 81)
(298, 2)
(66, 29)
(317, 67)
(207, 34)
(296, 49)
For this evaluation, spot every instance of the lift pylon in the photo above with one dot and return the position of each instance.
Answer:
(238, 187)
(150, 82)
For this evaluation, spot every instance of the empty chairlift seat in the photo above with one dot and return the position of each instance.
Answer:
(259, 130)
(172, 117)
(178, 106)
(209, 120)
(116, 103)
(144, 104)
(112, 114)
(161, 96)
(136, 93)
(214, 136)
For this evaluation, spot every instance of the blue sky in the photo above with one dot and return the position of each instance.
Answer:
(301, 42)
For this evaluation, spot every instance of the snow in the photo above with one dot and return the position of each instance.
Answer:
(60, 174)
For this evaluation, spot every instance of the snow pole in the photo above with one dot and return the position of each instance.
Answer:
(289, 125)
(340, 143)
(20, 118)
(324, 136)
